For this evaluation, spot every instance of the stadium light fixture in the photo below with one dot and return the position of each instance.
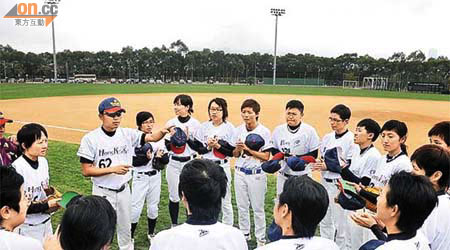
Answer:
(276, 13)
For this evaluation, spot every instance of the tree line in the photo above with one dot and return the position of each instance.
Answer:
(176, 62)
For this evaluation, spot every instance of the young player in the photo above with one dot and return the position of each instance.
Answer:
(203, 185)
(434, 162)
(293, 213)
(293, 138)
(251, 142)
(212, 140)
(339, 143)
(147, 162)
(179, 155)
(106, 155)
(33, 166)
(13, 209)
(439, 134)
(363, 166)
(8, 146)
(403, 205)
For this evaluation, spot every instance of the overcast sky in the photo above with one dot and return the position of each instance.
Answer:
(321, 27)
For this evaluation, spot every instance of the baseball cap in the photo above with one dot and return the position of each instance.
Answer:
(67, 197)
(273, 165)
(348, 199)
(110, 105)
(4, 120)
(299, 163)
(178, 141)
(333, 159)
(254, 142)
(142, 151)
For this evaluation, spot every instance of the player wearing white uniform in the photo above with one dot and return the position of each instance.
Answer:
(293, 213)
(251, 142)
(148, 162)
(403, 206)
(13, 209)
(293, 138)
(179, 156)
(434, 162)
(106, 155)
(33, 166)
(362, 167)
(339, 143)
(203, 184)
(212, 140)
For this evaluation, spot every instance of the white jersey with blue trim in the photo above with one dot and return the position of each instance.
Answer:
(387, 167)
(192, 125)
(240, 133)
(35, 181)
(303, 141)
(195, 237)
(365, 164)
(108, 151)
(313, 243)
(345, 142)
(418, 242)
(207, 130)
(437, 226)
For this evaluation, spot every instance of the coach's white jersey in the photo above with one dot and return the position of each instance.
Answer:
(35, 181)
(245, 161)
(195, 237)
(207, 130)
(192, 125)
(108, 151)
(418, 242)
(155, 146)
(345, 142)
(314, 243)
(365, 164)
(437, 226)
(14, 241)
(303, 141)
(387, 167)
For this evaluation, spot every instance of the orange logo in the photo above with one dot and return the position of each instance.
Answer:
(25, 11)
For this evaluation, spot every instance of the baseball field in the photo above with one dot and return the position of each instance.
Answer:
(69, 111)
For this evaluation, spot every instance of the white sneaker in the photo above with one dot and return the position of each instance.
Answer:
(248, 237)
(260, 243)
(173, 225)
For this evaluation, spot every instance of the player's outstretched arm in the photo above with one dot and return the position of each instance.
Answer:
(158, 135)
(88, 170)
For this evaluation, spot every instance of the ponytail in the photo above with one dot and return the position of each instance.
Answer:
(404, 148)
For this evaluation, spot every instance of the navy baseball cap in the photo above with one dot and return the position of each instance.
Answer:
(178, 141)
(333, 160)
(110, 105)
(273, 165)
(4, 120)
(254, 142)
(350, 201)
(142, 151)
(299, 163)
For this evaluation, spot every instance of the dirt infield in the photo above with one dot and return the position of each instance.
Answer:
(69, 117)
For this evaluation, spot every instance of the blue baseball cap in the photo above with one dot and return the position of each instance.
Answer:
(254, 142)
(178, 141)
(110, 105)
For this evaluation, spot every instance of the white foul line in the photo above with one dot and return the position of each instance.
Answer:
(57, 127)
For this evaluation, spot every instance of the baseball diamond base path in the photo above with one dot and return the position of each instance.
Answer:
(68, 118)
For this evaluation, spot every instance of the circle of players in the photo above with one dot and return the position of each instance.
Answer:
(363, 200)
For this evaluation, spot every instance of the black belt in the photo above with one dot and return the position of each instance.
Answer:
(221, 161)
(149, 173)
(33, 225)
(286, 175)
(328, 180)
(115, 190)
(183, 158)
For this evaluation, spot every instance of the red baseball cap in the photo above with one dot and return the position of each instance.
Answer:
(4, 120)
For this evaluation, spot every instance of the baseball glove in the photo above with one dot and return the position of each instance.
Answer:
(157, 164)
(375, 191)
(52, 193)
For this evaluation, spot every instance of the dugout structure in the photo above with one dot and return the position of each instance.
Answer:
(375, 83)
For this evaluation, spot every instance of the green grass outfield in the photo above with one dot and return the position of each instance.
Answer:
(14, 91)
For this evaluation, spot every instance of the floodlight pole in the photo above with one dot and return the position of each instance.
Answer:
(54, 52)
(276, 13)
